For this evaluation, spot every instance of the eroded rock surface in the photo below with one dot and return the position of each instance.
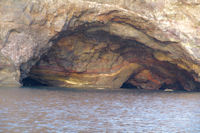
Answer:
(99, 60)
(102, 44)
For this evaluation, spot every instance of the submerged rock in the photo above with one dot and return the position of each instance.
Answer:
(100, 43)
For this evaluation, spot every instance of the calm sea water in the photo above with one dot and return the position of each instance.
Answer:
(71, 110)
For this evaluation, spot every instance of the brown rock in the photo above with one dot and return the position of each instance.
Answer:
(145, 79)
(100, 43)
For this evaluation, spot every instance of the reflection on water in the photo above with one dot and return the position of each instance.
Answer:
(70, 110)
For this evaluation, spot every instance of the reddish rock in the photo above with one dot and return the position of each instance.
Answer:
(147, 80)
(100, 43)
(89, 61)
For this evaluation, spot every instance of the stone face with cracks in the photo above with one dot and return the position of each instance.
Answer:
(101, 44)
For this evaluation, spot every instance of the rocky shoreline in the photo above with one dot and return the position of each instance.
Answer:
(101, 44)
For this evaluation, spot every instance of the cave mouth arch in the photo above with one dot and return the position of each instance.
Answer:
(175, 86)
(100, 60)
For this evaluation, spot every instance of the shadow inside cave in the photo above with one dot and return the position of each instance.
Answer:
(30, 82)
(126, 85)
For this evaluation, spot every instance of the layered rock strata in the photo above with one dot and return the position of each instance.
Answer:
(101, 44)
(99, 60)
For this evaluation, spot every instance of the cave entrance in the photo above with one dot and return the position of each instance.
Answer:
(127, 85)
(147, 82)
(76, 60)
(30, 82)
(160, 76)
(164, 86)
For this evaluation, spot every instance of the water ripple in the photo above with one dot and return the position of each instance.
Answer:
(71, 110)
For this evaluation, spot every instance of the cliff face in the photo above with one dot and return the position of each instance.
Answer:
(101, 44)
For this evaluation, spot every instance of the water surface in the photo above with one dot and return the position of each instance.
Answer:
(72, 110)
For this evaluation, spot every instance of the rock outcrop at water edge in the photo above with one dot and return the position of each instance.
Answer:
(101, 44)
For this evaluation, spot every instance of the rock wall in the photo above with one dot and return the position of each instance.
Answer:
(100, 60)
(101, 44)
